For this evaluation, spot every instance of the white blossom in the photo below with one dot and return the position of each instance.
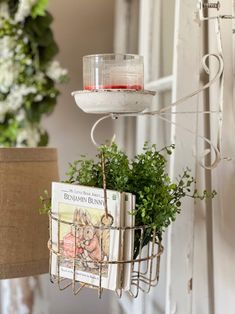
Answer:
(20, 115)
(55, 72)
(8, 73)
(39, 77)
(24, 9)
(28, 61)
(26, 40)
(7, 46)
(38, 98)
(3, 110)
(4, 11)
(14, 101)
(19, 31)
(15, 98)
(29, 135)
(18, 48)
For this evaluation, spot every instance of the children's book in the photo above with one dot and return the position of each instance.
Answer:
(78, 236)
(128, 248)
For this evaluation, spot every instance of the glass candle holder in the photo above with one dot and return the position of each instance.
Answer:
(113, 71)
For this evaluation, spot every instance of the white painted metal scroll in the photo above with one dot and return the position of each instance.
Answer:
(223, 178)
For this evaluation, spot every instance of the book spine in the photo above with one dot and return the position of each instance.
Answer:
(128, 240)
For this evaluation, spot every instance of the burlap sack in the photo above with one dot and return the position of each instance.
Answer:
(24, 174)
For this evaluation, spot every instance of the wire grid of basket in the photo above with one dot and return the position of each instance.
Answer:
(143, 261)
(144, 268)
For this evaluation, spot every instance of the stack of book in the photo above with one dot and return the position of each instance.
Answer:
(83, 241)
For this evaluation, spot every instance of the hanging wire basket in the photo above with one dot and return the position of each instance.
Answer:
(144, 269)
(138, 269)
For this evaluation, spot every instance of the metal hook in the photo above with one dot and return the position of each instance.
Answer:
(112, 116)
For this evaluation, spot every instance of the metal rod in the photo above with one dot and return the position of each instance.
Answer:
(104, 185)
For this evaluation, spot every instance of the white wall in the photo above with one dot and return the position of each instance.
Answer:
(81, 27)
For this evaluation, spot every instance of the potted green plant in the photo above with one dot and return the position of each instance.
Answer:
(158, 198)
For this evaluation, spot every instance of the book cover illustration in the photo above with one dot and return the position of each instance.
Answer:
(81, 239)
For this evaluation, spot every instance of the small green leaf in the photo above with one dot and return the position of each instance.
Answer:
(39, 8)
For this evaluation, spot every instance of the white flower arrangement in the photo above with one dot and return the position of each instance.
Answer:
(55, 72)
(24, 9)
(28, 73)
(27, 135)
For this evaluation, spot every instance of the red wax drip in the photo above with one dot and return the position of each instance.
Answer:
(134, 87)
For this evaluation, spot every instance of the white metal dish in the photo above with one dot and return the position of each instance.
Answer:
(113, 100)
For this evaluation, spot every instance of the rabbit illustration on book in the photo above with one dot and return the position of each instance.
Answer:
(92, 252)
(83, 241)
(71, 243)
(92, 249)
